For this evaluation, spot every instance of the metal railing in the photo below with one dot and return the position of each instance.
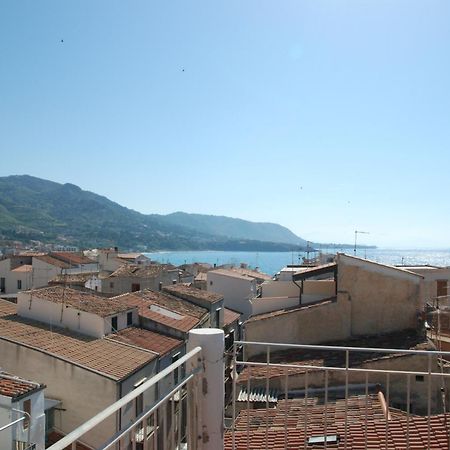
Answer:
(164, 424)
(290, 394)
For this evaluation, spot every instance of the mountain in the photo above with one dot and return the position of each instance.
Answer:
(235, 228)
(35, 209)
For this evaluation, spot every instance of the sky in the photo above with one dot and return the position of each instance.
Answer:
(324, 116)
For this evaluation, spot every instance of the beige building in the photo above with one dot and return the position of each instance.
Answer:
(100, 370)
(132, 278)
(369, 298)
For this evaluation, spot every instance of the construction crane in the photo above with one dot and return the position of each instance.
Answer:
(356, 237)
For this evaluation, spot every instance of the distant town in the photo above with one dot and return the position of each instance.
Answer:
(81, 330)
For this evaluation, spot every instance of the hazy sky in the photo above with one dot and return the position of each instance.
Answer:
(324, 116)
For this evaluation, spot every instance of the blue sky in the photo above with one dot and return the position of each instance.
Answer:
(324, 116)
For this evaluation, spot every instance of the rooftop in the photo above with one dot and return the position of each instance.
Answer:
(165, 309)
(73, 278)
(291, 309)
(16, 387)
(231, 273)
(293, 422)
(155, 342)
(404, 340)
(190, 293)
(24, 268)
(80, 300)
(111, 359)
(53, 261)
(230, 316)
(72, 258)
(137, 271)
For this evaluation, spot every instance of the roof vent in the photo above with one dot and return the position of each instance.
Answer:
(321, 440)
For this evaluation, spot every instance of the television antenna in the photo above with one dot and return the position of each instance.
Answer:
(356, 238)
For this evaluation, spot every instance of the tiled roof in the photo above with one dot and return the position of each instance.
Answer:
(155, 342)
(81, 300)
(136, 271)
(291, 309)
(129, 255)
(230, 273)
(72, 258)
(72, 278)
(112, 359)
(293, 422)
(406, 340)
(53, 261)
(252, 273)
(190, 315)
(191, 293)
(230, 316)
(16, 387)
(24, 268)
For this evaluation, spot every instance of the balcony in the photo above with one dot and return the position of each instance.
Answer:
(330, 397)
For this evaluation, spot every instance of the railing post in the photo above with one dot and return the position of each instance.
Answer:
(210, 423)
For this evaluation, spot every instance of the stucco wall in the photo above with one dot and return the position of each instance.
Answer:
(59, 315)
(83, 393)
(237, 292)
(301, 326)
(371, 299)
(382, 300)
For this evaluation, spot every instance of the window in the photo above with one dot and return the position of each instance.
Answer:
(2, 284)
(111, 285)
(114, 323)
(210, 283)
(27, 409)
(420, 378)
(129, 318)
(135, 287)
(19, 284)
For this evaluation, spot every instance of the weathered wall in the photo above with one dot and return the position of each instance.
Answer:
(89, 393)
(312, 324)
(382, 299)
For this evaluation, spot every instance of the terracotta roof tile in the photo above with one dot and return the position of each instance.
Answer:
(113, 359)
(191, 293)
(181, 315)
(292, 422)
(406, 340)
(72, 258)
(24, 268)
(81, 300)
(230, 316)
(16, 387)
(137, 271)
(53, 261)
(149, 340)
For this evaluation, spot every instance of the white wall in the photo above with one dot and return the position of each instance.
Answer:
(237, 292)
(57, 314)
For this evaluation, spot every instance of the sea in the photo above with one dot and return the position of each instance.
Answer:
(272, 262)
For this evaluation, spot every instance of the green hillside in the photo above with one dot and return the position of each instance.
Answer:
(36, 209)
